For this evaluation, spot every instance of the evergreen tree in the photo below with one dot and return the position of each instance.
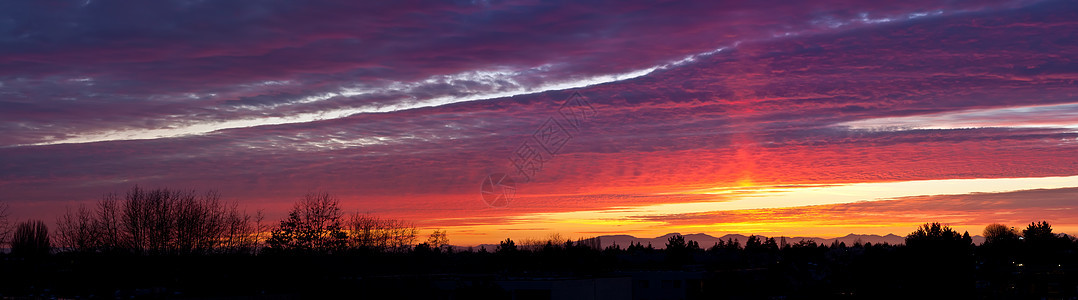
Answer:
(508, 246)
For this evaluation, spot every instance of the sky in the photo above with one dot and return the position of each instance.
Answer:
(808, 118)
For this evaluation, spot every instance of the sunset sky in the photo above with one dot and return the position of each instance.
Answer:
(792, 118)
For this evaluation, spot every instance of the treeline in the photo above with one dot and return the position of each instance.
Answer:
(317, 244)
(317, 225)
(167, 221)
(159, 221)
(935, 236)
(935, 262)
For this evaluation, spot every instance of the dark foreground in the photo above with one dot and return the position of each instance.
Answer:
(761, 269)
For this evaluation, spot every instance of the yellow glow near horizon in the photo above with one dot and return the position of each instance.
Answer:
(632, 220)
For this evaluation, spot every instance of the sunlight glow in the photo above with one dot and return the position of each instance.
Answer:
(634, 219)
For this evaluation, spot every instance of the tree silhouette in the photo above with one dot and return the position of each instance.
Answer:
(935, 235)
(771, 245)
(313, 225)
(941, 251)
(678, 251)
(159, 221)
(733, 244)
(31, 238)
(76, 231)
(507, 247)
(438, 240)
(808, 244)
(999, 234)
(421, 248)
(936, 262)
(1039, 232)
(676, 242)
(1041, 247)
(107, 225)
(753, 243)
(369, 232)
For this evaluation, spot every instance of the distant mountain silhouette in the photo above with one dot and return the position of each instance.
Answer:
(706, 240)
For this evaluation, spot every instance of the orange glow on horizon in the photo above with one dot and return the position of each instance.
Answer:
(897, 215)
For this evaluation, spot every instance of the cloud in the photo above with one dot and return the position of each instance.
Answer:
(968, 210)
(1039, 116)
(86, 72)
(274, 90)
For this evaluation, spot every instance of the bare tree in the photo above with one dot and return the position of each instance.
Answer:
(76, 231)
(363, 231)
(314, 224)
(242, 232)
(200, 223)
(160, 221)
(999, 234)
(148, 219)
(530, 244)
(107, 225)
(134, 220)
(261, 231)
(439, 239)
(374, 233)
(30, 238)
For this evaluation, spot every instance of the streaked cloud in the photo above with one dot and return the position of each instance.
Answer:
(1037, 116)
(710, 115)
